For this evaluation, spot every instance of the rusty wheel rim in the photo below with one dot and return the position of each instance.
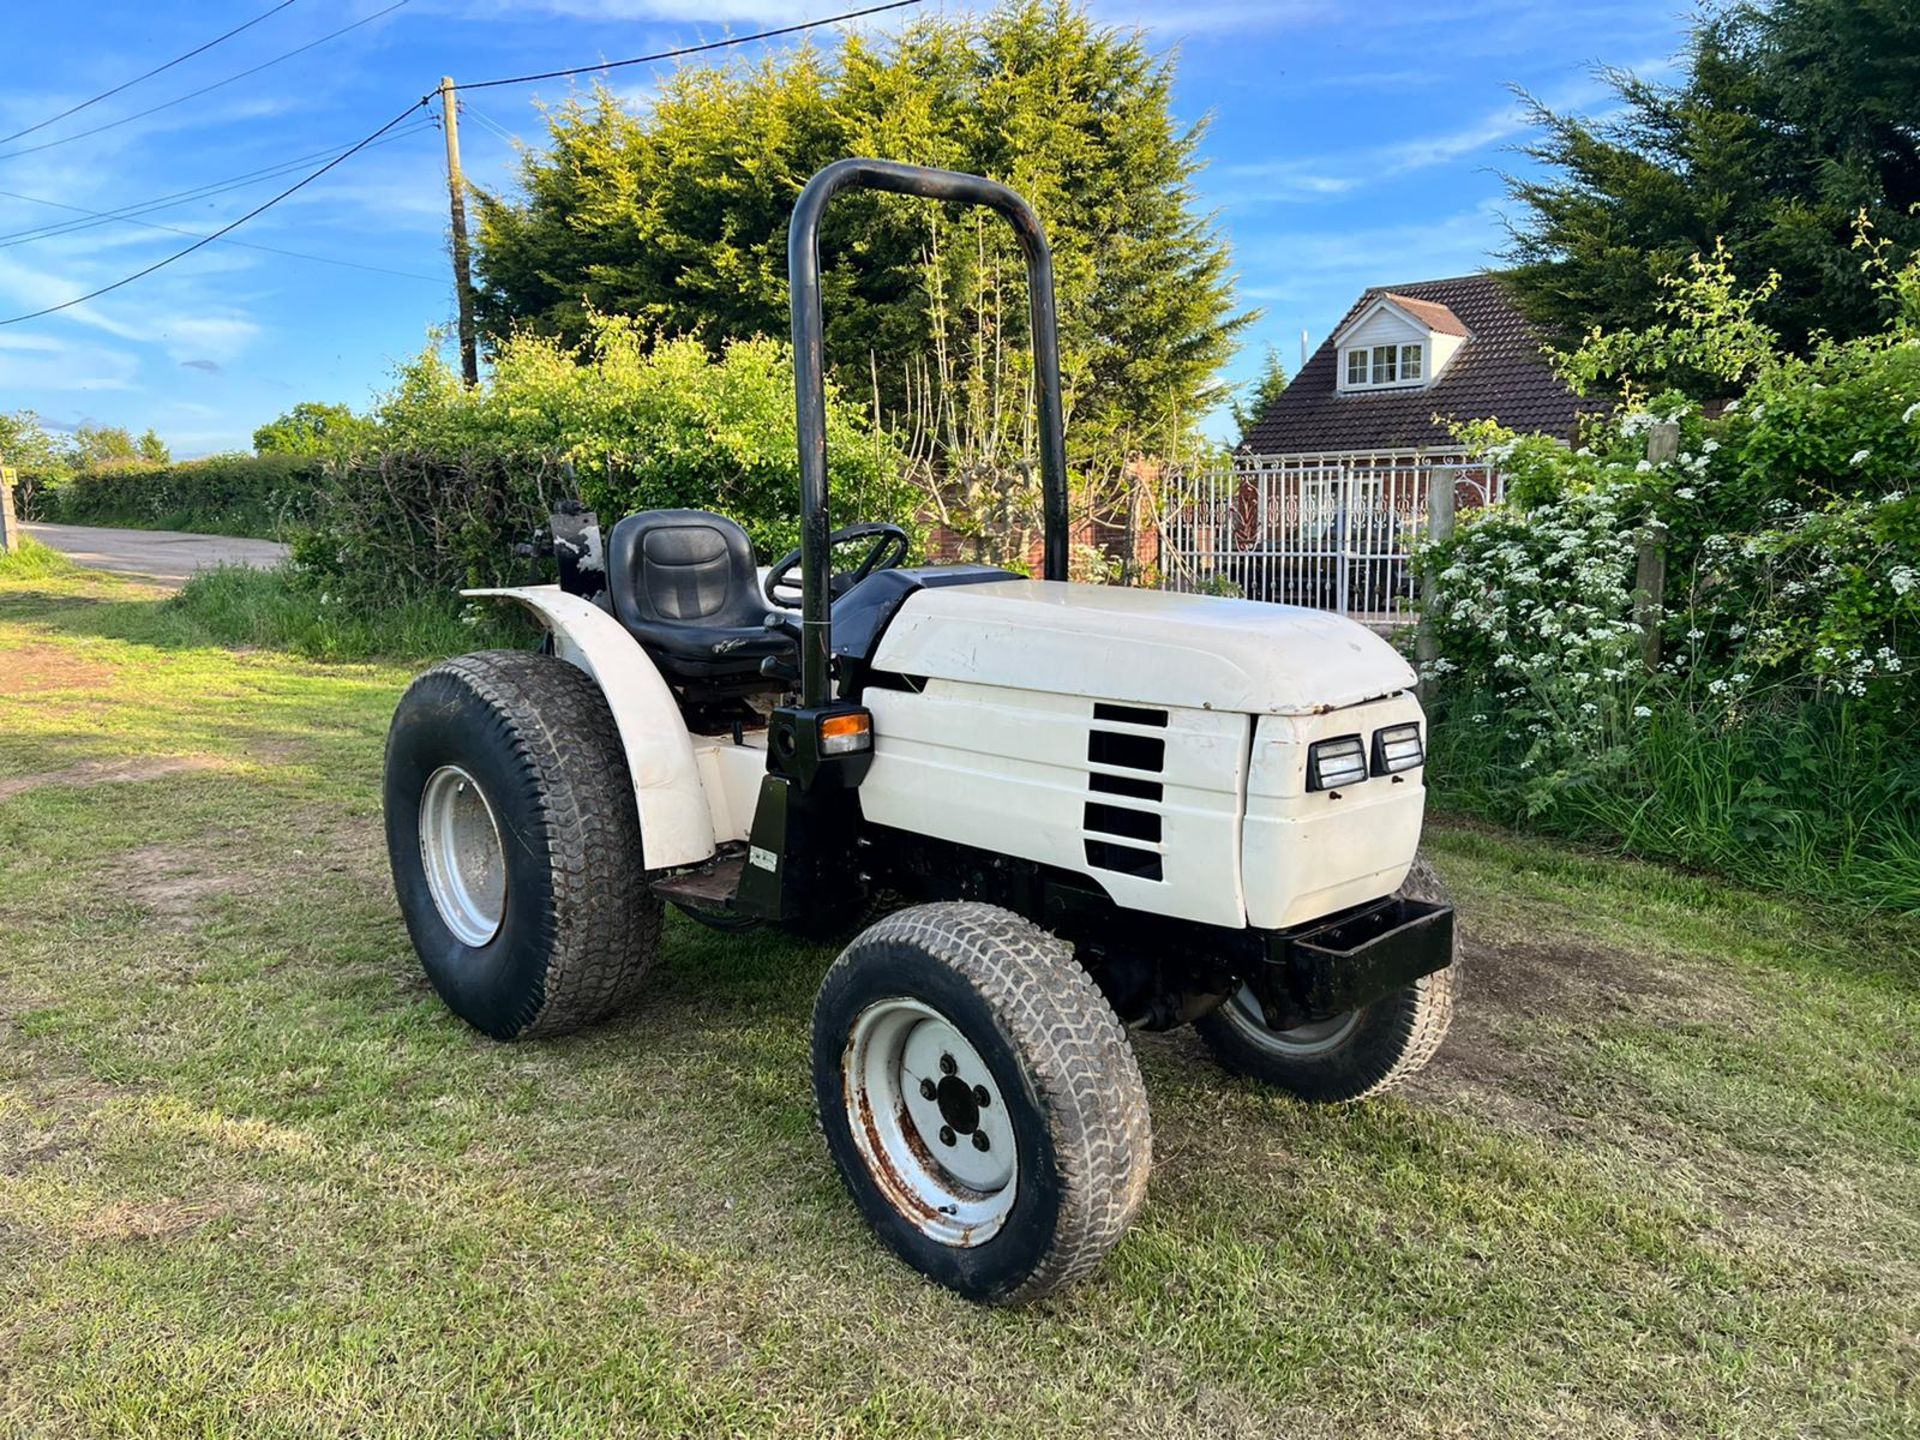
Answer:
(930, 1122)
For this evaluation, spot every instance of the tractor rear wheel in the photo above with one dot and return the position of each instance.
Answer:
(980, 1100)
(1350, 1056)
(515, 844)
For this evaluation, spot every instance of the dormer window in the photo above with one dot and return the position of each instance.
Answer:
(1372, 365)
(1397, 342)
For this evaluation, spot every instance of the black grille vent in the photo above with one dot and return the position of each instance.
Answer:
(1123, 860)
(1129, 752)
(1125, 785)
(1129, 715)
(1125, 822)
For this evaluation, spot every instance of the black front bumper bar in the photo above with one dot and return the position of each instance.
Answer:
(1352, 960)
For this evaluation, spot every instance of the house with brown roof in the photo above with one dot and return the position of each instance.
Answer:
(1406, 361)
(1332, 485)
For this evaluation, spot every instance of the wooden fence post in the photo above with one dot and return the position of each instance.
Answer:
(1650, 590)
(1441, 481)
(9, 519)
(1650, 567)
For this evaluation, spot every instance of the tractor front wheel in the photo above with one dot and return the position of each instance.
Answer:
(515, 844)
(980, 1100)
(1350, 1056)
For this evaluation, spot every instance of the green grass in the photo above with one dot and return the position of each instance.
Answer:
(254, 1180)
(1821, 800)
(33, 561)
(234, 605)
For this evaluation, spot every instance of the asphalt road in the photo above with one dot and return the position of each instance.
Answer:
(168, 556)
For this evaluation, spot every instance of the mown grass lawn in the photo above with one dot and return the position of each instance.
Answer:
(255, 1180)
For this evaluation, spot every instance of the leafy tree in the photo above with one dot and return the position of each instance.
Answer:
(1259, 394)
(646, 426)
(311, 428)
(1794, 118)
(27, 446)
(678, 218)
(95, 445)
(151, 447)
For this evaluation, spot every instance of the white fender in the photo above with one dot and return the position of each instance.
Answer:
(676, 826)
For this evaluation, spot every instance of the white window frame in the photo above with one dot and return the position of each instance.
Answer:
(1370, 358)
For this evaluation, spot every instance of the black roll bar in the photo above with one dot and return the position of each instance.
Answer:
(809, 374)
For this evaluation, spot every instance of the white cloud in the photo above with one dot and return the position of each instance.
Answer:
(47, 364)
(1344, 172)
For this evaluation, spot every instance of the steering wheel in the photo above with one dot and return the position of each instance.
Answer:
(888, 551)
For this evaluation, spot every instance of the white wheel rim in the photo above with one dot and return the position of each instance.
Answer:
(930, 1121)
(466, 863)
(1317, 1037)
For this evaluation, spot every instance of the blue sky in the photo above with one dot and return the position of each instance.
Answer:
(1350, 145)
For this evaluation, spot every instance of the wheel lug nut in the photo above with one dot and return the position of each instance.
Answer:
(981, 1097)
(947, 1067)
(946, 1135)
(980, 1141)
(927, 1090)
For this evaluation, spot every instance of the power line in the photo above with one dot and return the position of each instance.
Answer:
(204, 89)
(126, 216)
(690, 49)
(487, 120)
(11, 238)
(246, 244)
(147, 75)
(102, 217)
(226, 229)
(421, 103)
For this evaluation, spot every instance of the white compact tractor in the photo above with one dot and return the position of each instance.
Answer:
(1045, 812)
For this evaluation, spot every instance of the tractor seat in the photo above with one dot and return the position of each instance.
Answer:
(684, 584)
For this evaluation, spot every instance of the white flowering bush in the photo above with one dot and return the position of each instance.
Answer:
(1782, 719)
(1534, 616)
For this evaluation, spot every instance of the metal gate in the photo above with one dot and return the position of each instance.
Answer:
(1335, 532)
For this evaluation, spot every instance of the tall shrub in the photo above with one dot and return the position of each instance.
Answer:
(1780, 735)
(461, 476)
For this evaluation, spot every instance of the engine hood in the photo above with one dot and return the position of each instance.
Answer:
(1146, 647)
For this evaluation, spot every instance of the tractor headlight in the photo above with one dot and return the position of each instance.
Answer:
(1337, 762)
(1397, 748)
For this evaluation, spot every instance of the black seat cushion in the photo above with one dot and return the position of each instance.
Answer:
(685, 585)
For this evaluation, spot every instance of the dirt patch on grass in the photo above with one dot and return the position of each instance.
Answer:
(1509, 987)
(34, 669)
(159, 1221)
(105, 772)
(173, 883)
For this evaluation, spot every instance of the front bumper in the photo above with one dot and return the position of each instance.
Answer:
(1352, 959)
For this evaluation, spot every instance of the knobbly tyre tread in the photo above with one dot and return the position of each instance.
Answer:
(1427, 1012)
(1078, 1058)
(1398, 1034)
(602, 932)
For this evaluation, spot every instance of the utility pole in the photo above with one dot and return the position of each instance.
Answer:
(9, 522)
(462, 255)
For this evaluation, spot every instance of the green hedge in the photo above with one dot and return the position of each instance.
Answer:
(253, 495)
(407, 525)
